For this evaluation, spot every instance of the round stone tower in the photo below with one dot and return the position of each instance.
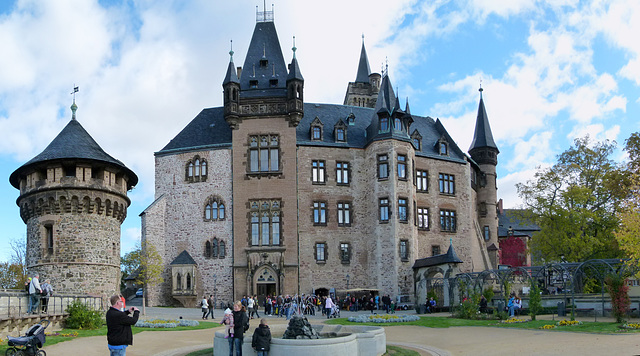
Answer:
(73, 198)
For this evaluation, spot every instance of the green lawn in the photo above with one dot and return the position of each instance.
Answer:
(102, 331)
(445, 322)
(391, 350)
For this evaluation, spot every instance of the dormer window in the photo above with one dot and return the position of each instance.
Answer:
(384, 124)
(340, 135)
(340, 131)
(416, 143)
(397, 124)
(316, 129)
(273, 83)
(253, 84)
(351, 119)
(443, 149)
(263, 62)
(416, 140)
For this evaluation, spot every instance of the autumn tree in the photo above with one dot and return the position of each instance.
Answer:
(575, 203)
(628, 234)
(150, 269)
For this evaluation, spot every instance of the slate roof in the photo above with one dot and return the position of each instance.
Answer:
(184, 258)
(264, 46)
(232, 74)
(72, 143)
(515, 219)
(482, 136)
(449, 257)
(209, 130)
(363, 66)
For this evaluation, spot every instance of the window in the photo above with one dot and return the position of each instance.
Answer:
(273, 83)
(214, 248)
(423, 218)
(342, 173)
(345, 252)
(443, 149)
(344, 214)
(188, 281)
(384, 124)
(214, 209)
(397, 124)
(264, 153)
(196, 170)
(416, 143)
(383, 167)
(319, 213)
(384, 209)
(422, 181)
(49, 233)
(316, 133)
(404, 250)
(340, 135)
(487, 233)
(448, 220)
(265, 222)
(178, 282)
(253, 84)
(402, 167)
(222, 249)
(317, 172)
(447, 184)
(321, 252)
(207, 249)
(402, 209)
(435, 250)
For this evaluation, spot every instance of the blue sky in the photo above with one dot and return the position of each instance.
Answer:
(551, 71)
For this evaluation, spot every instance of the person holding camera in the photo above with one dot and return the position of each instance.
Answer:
(119, 334)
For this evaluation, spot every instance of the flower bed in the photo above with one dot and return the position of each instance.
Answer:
(631, 326)
(386, 318)
(565, 322)
(548, 326)
(513, 321)
(164, 323)
(71, 334)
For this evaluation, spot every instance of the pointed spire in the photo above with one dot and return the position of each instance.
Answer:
(232, 75)
(74, 107)
(406, 107)
(482, 137)
(385, 96)
(294, 68)
(363, 66)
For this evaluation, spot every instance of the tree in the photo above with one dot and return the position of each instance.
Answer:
(150, 269)
(619, 293)
(628, 234)
(11, 276)
(128, 265)
(575, 203)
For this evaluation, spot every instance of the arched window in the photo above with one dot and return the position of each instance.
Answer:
(222, 249)
(178, 282)
(188, 281)
(196, 170)
(215, 248)
(203, 169)
(190, 171)
(207, 249)
(214, 209)
(197, 174)
(397, 124)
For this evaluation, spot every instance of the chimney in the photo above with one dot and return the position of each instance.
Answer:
(239, 71)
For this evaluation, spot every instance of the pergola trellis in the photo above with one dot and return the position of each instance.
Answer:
(568, 277)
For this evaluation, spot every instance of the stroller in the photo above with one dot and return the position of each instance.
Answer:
(335, 312)
(29, 344)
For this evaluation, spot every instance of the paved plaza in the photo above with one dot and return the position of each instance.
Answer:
(427, 341)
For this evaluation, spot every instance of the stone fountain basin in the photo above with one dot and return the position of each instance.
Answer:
(342, 340)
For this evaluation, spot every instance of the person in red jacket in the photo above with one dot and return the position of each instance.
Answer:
(119, 334)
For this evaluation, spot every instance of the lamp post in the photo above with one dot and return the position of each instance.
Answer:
(215, 285)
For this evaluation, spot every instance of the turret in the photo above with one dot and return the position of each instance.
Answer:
(231, 88)
(295, 90)
(364, 90)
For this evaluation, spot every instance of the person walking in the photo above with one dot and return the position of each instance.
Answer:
(35, 292)
(211, 307)
(205, 307)
(328, 306)
(250, 306)
(47, 291)
(256, 305)
(119, 334)
(261, 340)
(240, 325)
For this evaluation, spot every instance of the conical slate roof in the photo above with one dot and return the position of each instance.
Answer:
(449, 257)
(363, 67)
(482, 136)
(386, 96)
(72, 143)
(264, 64)
(294, 69)
(232, 75)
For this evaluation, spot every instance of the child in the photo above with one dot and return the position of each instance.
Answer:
(261, 338)
(227, 320)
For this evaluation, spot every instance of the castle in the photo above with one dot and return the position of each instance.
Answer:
(73, 198)
(270, 194)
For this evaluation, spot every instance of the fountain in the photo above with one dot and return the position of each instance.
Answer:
(301, 338)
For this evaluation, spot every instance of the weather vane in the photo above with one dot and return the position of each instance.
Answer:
(75, 90)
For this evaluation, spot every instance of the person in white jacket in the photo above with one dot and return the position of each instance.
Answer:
(328, 306)
(35, 291)
(205, 307)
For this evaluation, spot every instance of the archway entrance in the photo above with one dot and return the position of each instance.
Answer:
(265, 283)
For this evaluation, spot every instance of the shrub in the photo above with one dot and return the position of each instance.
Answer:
(619, 292)
(81, 316)
(468, 308)
(535, 301)
(488, 294)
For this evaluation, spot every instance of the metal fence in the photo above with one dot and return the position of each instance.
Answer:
(15, 303)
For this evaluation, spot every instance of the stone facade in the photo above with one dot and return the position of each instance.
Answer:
(273, 160)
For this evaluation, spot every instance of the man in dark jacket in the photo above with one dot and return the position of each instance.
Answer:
(240, 325)
(119, 334)
(261, 338)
